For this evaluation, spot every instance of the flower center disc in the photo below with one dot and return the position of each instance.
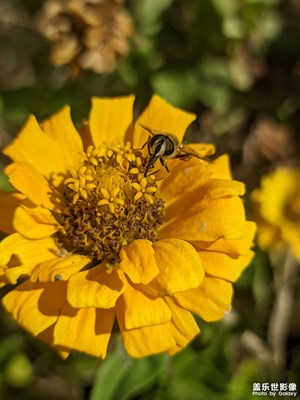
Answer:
(109, 204)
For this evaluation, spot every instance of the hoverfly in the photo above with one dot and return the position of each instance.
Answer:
(164, 145)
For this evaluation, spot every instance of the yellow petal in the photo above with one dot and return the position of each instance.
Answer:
(137, 196)
(15, 250)
(8, 204)
(60, 128)
(87, 330)
(185, 176)
(222, 265)
(110, 118)
(25, 178)
(234, 248)
(192, 201)
(136, 186)
(223, 218)
(3, 279)
(27, 251)
(32, 145)
(211, 300)
(183, 326)
(141, 309)
(98, 287)
(138, 261)
(58, 268)
(34, 223)
(220, 167)
(161, 116)
(64, 354)
(272, 208)
(217, 188)
(180, 266)
(48, 336)
(268, 235)
(14, 273)
(36, 306)
(146, 340)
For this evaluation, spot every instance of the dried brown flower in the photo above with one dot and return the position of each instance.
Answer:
(269, 141)
(86, 34)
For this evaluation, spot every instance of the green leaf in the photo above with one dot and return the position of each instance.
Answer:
(226, 8)
(109, 376)
(201, 367)
(4, 183)
(121, 377)
(9, 346)
(190, 389)
(177, 87)
(18, 372)
(149, 11)
(141, 375)
(214, 96)
(249, 371)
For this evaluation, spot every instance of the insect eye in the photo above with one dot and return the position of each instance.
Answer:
(156, 140)
(170, 146)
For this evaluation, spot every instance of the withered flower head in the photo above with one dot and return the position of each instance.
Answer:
(86, 34)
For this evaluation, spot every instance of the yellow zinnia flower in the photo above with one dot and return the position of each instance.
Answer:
(92, 240)
(276, 207)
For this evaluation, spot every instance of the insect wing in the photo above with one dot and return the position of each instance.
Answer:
(187, 151)
(199, 150)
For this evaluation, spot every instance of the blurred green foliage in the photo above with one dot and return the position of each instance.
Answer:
(231, 62)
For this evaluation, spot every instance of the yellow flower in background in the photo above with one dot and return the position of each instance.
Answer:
(93, 241)
(276, 207)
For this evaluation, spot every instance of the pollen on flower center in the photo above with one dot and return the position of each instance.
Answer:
(109, 203)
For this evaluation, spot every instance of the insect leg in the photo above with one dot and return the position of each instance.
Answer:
(152, 173)
(152, 133)
(164, 164)
(183, 157)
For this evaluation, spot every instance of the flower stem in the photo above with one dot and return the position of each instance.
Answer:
(281, 314)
